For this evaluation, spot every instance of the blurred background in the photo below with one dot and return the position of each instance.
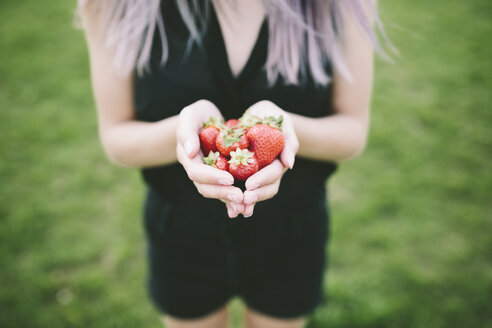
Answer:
(412, 218)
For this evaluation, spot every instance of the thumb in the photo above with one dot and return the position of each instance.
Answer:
(187, 136)
(287, 157)
(191, 147)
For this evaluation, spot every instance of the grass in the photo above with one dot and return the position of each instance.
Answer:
(411, 218)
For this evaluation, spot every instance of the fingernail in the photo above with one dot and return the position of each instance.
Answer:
(290, 160)
(188, 147)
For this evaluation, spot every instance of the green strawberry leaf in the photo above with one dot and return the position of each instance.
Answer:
(241, 156)
(211, 159)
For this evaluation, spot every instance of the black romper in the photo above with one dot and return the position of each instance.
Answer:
(199, 258)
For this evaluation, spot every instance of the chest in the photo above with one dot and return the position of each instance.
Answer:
(240, 24)
(226, 69)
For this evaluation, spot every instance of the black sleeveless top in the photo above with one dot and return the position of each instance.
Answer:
(205, 74)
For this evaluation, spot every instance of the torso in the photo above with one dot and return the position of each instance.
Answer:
(233, 83)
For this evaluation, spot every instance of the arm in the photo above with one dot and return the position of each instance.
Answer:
(343, 135)
(133, 143)
(127, 142)
(336, 137)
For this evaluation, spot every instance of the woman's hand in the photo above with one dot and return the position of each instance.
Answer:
(210, 182)
(264, 184)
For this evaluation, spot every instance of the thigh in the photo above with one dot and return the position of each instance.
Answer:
(282, 268)
(256, 319)
(216, 319)
(187, 270)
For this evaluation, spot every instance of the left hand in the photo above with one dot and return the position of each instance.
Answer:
(265, 183)
(209, 182)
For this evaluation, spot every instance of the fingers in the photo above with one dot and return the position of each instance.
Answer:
(228, 193)
(267, 175)
(201, 173)
(234, 209)
(288, 154)
(262, 185)
(263, 193)
(248, 210)
(230, 211)
(264, 108)
(213, 183)
(189, 140)
(187, 135)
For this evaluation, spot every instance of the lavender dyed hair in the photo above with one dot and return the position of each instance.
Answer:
(303, 34)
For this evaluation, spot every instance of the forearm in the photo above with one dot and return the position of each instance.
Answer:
(140, 144)
(333, 138)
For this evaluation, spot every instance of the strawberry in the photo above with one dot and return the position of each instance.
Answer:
(243, 164)
(216, 160)
(231, 123)
(231, 139)
(266, 140)
(208, 135)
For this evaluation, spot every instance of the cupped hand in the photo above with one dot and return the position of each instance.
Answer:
(265, 183)
(262, 185)
(209, 181)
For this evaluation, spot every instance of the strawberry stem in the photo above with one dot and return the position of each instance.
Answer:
(241, 156)
(211, 159)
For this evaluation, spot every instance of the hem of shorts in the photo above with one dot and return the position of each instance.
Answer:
(306, 313)
(187, 316)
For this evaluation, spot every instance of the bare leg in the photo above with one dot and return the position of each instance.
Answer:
(257, 320)
(217, 319)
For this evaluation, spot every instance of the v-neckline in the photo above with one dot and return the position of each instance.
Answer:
(219, 55)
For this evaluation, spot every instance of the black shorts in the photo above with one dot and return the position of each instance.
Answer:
(199, 258)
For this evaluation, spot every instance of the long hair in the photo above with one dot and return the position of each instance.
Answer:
(303, 34)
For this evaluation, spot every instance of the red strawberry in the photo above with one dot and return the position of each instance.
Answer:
(243, 164)
(216, 160)
(266, 142)
(229, 140)
(208, 135)
(231, 123)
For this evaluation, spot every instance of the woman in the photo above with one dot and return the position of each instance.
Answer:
(161, 68)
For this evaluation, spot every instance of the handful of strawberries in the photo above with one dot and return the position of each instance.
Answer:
(242, 146)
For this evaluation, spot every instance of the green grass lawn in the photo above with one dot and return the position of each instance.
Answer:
(412, 218)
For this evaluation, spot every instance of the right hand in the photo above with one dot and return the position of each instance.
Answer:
(209, 181)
